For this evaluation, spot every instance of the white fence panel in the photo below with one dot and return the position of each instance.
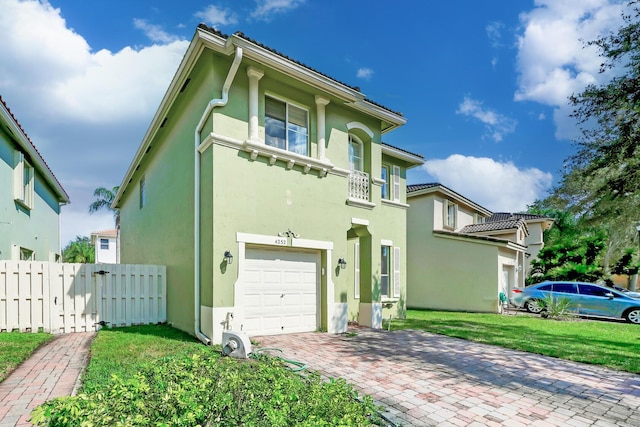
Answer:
(78, 297)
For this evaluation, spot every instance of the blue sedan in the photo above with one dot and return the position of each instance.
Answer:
(586, 299)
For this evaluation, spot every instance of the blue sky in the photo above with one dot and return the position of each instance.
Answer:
(483, 84)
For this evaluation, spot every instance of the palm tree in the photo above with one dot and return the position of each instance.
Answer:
(104, 199)
(80, 250)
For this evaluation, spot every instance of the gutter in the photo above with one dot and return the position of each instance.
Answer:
(219, 102)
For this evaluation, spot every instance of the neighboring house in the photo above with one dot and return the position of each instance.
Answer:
(536, 224)
(30, 197)
(265, 188)
(455, 259)
(105, 243)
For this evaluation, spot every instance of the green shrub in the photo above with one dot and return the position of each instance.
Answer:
(205, 389)
(556, 308)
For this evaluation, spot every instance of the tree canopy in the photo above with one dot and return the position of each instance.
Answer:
(104, 199)
(80, 250)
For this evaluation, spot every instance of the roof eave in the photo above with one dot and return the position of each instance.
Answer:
(413, 160)
(442, 189)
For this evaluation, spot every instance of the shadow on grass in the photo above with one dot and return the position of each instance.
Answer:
(160, 331)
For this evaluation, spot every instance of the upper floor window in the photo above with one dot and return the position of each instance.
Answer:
(384, 175)
(26, 254)
(23, 180)
(355, 154)
(104, 243)
(479, 219)
(286, 126)
(450, 214)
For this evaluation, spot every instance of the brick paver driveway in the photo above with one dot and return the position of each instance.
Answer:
(425, 379)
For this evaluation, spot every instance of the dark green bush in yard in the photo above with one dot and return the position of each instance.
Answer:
(205, 389)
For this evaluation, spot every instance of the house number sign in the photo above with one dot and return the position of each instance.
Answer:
(281, 241)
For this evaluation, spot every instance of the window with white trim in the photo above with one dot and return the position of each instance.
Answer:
(395, 181)
(356, 272)
(450, 214)
(479, 219)
(385, 267)
(286, 126)
(23, 180)
(384, 176)
(104, 243)
(396, 272)
(356, 154)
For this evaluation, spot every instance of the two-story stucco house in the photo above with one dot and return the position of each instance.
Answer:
(265, 187)
(105, 243)
(30, 197)
(456, 260)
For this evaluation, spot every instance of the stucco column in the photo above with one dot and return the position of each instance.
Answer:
(254, 76)
(321, 102)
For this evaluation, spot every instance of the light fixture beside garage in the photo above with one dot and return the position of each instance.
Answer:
(342, 263)
(228, 257)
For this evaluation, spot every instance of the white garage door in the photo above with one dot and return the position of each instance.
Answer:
(280, 291)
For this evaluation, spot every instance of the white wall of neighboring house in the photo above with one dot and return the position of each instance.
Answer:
(106, 246)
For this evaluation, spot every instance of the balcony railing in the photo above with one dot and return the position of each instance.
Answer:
(359, 185)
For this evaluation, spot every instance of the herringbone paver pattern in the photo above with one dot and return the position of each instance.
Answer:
(52, 371)
(424, 379)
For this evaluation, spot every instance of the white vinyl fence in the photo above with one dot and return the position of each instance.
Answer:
(61, 298)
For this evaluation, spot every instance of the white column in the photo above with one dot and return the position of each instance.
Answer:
(254, 76)
(321, 102)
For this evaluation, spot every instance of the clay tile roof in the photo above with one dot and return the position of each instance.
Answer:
(502, 216)
(508, 224)
(417, 187)
(106, 233)
(257, 43)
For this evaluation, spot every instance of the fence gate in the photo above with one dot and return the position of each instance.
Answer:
(60, 298)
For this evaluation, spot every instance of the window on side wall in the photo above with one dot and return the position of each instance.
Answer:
(286, 126)
(23, 180)
(26, 254)
(104, 243)
(356, 152)
(143, 193)
(384, 175)
(385, 267)
(450, 214)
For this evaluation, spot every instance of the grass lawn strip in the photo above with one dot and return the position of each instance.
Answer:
(16, 347)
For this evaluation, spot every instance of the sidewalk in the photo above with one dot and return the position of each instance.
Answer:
(52, 371)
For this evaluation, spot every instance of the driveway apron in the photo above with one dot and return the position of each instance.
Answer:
(423, 379)
(52, 371)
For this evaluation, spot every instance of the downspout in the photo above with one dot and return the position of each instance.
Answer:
(220, 102)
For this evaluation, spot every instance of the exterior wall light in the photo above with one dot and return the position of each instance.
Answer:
(228, 257)
(342, 263)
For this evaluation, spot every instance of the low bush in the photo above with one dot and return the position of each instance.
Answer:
(558, 308)
(204, 389)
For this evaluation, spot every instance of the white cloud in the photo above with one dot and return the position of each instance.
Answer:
(497, 125)
(553, 62)
(365, 73)
(216, 17)
(154, 32)
(494, 33)
(266, 8)
(57, 67)
(498, 186)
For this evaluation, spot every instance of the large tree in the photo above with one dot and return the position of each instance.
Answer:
(104, 199)
(601, 184)
(80, 250)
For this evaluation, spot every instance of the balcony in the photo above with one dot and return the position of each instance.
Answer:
(359, 189)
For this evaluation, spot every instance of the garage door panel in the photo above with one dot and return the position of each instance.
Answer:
(280, 291)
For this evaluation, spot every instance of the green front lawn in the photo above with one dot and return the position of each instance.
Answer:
(15, 347)
(611, 344)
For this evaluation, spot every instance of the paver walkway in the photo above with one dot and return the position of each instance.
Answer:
(424, 379)
(52, 371)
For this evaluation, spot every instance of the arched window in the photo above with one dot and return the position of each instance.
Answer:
(356, 153)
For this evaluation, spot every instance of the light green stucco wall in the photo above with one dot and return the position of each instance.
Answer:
(444, 273)
(238, 194)
(36, 229)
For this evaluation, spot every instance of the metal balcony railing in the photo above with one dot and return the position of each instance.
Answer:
(359, 185)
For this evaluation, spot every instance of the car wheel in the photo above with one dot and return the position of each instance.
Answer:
(534, 306)
(633, 316)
